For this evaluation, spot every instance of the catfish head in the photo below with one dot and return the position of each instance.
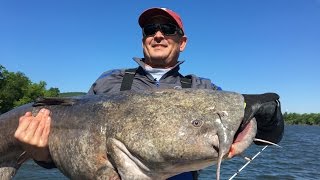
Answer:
(165, 133)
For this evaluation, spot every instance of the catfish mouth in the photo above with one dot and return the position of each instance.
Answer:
(243, 138)
(241, 141)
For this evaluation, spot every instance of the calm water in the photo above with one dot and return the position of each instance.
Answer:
(299, 158)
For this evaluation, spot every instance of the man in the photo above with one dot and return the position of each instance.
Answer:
(163, 40)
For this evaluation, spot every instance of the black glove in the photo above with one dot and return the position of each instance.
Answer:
(266, 109)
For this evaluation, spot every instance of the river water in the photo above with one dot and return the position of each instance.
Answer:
(299, 158)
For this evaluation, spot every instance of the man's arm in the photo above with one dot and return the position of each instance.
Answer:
(33, 133)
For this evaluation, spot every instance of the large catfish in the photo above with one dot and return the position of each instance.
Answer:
(134, 135)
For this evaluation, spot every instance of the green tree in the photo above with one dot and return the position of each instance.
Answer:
(16, 89)
(295, 118)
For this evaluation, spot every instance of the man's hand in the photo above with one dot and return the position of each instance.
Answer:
(255, 101)
(266, 109)
(33, 133)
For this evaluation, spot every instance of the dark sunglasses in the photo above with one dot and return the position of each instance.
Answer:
(166, 29)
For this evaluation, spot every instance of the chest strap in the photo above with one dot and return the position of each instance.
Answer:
(127, 80)
(186, 81)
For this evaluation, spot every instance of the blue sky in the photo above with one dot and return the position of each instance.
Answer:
(246, 46)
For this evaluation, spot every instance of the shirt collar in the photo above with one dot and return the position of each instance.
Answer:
(142, 64)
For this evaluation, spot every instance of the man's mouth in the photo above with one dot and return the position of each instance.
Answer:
(158, 45)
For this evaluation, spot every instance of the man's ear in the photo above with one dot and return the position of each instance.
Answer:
(183, 42)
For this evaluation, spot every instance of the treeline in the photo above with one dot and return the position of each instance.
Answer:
(16, 89)
(295, 118)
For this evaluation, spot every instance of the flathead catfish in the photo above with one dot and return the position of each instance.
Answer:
(133, 135)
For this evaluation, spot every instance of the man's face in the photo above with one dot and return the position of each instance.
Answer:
(161, 51)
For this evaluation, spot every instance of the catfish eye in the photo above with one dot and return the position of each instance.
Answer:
(197, 123)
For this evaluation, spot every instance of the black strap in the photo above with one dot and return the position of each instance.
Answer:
(186, 81)
(128, 79)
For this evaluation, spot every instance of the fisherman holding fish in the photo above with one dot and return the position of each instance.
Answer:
(163, 39)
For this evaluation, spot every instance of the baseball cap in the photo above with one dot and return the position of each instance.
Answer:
(147, 14)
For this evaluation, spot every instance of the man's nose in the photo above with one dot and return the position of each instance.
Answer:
(158, 35)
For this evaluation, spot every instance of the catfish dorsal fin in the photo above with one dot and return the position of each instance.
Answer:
(45, 101)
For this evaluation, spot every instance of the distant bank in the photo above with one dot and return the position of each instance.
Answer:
(305, 118)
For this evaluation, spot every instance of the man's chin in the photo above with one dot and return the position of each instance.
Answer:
(159, 58)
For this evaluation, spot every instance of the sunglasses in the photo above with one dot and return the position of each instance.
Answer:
(166, 29)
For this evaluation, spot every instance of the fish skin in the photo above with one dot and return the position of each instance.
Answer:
(131, 135)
